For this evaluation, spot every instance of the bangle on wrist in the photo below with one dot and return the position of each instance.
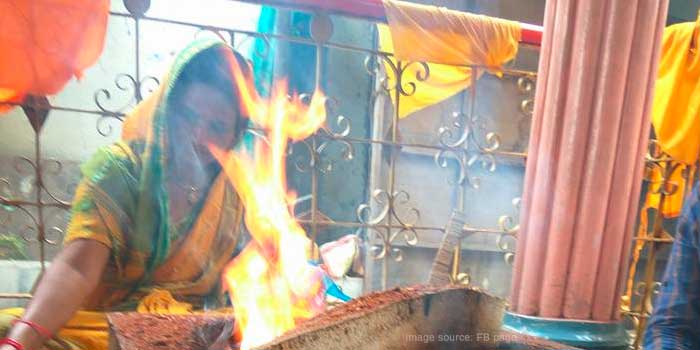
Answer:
(11, 342)
(43, 332)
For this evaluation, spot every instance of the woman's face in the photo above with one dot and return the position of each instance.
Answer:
(207, 117)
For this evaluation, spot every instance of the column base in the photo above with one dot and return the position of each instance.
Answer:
(578, 333)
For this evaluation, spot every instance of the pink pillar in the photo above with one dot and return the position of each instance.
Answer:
(591, 124)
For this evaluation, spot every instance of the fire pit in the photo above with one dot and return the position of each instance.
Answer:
(137, 331)
(407, 318)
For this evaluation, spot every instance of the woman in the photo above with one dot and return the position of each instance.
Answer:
(153, 215)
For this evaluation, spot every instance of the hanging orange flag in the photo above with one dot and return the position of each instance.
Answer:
(44, 43)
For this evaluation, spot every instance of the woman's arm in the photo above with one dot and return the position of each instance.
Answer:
(73, 275)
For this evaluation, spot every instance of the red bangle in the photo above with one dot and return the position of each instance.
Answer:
(11, 342)
(37, 328)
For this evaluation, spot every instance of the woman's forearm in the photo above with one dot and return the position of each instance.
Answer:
(73, 275)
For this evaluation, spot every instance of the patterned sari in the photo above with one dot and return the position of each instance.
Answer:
(123, 203)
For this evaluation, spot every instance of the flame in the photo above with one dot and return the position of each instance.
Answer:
(271, 284)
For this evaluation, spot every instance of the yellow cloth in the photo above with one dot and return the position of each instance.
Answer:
(88, 330)
(85, 331)
(162, 302)
(676, 107)
(444, 38)
(677, 128)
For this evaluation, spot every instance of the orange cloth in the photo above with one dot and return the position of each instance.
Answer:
(89, 330)
(676, 108)
(86, 330)
(44, 43)
(677, 127)
(449, 40)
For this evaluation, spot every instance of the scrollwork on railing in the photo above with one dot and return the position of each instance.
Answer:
(465, 148)
(389, 209)
(136, 91)
(381, 198)
(459, 126)
(123, 82)
(508, 237)
(465, 161)
(6, 195)
(408, 87)
(660, 168)
(385, 246)
(377, 251)
(508, 225)
(54, 231)
(54, 220)
(526, 87)
(35, 203)
(389, 205)
(303, 165)
(335, 133)
(52, 167)
(318, 157)
(442, 158)
(666, 179)
(402, 84)
(28, 232)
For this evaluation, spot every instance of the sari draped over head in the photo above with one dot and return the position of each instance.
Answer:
(122, 202)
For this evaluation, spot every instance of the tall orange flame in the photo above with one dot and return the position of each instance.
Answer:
(271, 284)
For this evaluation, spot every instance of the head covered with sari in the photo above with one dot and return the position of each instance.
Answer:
(130, 200)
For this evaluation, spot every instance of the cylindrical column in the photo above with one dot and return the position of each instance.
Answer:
(591, 123)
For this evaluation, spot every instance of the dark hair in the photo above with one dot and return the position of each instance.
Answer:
(212, 67)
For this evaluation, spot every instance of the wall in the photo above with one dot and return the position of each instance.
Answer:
(682, 11)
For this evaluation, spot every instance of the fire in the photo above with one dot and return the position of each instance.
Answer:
(271, 283)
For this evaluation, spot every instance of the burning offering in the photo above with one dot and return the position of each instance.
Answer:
(271, 282)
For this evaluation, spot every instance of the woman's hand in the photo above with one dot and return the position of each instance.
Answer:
(73, 275)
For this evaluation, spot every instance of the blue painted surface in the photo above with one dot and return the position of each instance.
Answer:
(588, 335)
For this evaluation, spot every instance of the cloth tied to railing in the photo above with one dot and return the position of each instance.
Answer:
(677, 126)
(44, 43)
(675, 113)
(448, 41)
